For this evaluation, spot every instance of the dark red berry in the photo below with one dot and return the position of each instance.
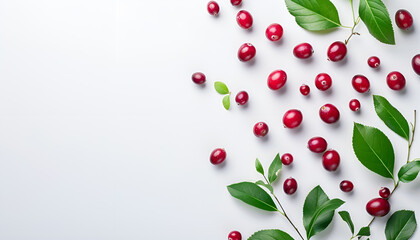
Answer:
(199, 78)
(360, 83)
(346, 186)
(274, 32)
(218, 156)
(337, 51)
(416, 64)
(241, 98)
(403, 19)
(323, 81)
(305, 90)
(244, 19)
(213, 8)
(354, 105)
(331, 160)
(374, 62)
(384, 193)
(292, 118)
(303, 50)
(260, 129)
(290, 186)
(317, 144)
(236, 2)
(329, 113)
(378, 207)
(287, 159)
(246, 52)
(395, 80)
(277, 79)
(235, 235)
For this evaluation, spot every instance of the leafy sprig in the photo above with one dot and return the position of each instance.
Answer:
(222, 89)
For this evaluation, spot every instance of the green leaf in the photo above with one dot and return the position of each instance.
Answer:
(272, 234)
(274, 169)
(374, 150)
(221, 88)
(314, 15)
(409, 171)
(346, 218)
(391, 117)
(268, 186)
(226, 102)
(253, 195)
(376, 18)
(401, 225)
(328, 207)
(259, 167)
(364, 231)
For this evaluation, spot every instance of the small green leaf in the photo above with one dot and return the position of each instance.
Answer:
(376, 18)
(409, 171)
(346, 218)
(226, 102)
(221, 88)
(272, 234)
(391, 117)
(328, 207)
(253, 195)
(259, 167)
(274, 169)
(364, 231)
(401, 225)
(268, 186)
(374, 150)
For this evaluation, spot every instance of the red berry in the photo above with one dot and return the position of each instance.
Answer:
(235, 235)
(378, 207)
(329, 113)
(290, 186)
(403, 19)
(331, 160)
(213, 8)
(274, 32)
(354, 105)
(241, 98)
(277, 79)
(416, 64)
(199, 78)
(346, 186)
(374, 62)
(303, 50)
(218, 156)
(317, 144)
(323, 81)
(244, 19)
(395, 80)
(260, 129)
(384, 193)
(360, 83)
(292, 118)
(236, 2)
(246, 52)
(337, 51)
(287, 159)
(305, 90)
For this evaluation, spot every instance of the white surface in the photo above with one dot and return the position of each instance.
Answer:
(104, 136)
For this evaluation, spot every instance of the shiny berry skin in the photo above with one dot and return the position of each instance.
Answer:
(244, 19)
(213, 8)
(246, 52)
(329, 113)
(290, 186)
(260, 129)
(236, 2)
(235, 235)
(274, 32)
(374, 62)
(198, 78)
(395, 81)
(287, 159)
(305, 90)
(384, 193)
(337, 51)
(346, 186)
(360, 83)
(331, 160)
(292, 118)
(277, 79)
(415, 62)
(403, 19)
(323, 81)
(378, 207)
(303, 51)
(217, 156)
(241, 98)
(317, 144)
(354, 105)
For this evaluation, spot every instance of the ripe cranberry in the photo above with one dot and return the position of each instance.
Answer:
(346, 186)
(199, 78)
(395, 80)
(317, 144)
(354, 105)
(213, 8)
(403, 19)
(236, 2)
(360, 83)
(235, 235)
(331, 160)
(292, 118)
(303, 50)
(287, 159)
(305, 90)
(218, 156)
(374, 62)
(274, 32)
(378, 207)
(290, 186)
(329, 113)
(244, 19)
(384, 193)
(260, 129)
(337, 51)
(277, 79)
(246, 52)
(241, 98)
(323, 81)
(416, 64)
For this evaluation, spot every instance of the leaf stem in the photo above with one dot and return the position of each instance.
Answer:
(352, 29)
(352, 10)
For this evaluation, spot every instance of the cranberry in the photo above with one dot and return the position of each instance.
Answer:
(290, 186)
(218, 156)
(241, 98)
(303, 50)
(244, 19)
(199, 78)
(246, 52)
(337, 51)
(403, 19)
(331, 160)
(360, 83)
(416, 64)
(213, 8)
(277, 79)
(354, 105)
(317, 144)
(305, 90)
(374, 62)
(346, 186)
(292, 118)
(260, 129)
(235, 235)
(236, 2)
(329, 113)
(274, 32)
(287, 159)
(323, 81)
(378, 207)
(384, 193)
(395, 80)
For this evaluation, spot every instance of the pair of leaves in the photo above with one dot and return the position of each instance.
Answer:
(274, 169)
(401, 225)
(364, 231)
(222, 89)
(271, 234)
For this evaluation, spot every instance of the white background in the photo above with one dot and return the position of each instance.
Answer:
(103, 135)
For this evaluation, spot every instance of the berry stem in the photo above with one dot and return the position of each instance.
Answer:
(352, 30)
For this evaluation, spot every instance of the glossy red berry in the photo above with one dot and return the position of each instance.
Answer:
(292, 118)
(246, 52)
(303, 50)
(384, 193)
(337, 51)
(277, 79)
(329, 113)
(378, 207)
(415, 62)
(374, 62)
(323, 81)
(244, 19)
(305, 90)
(403, 19)
(213, 8)
(199, 78)
(354, 105)
(290, 186)
(241, 98)
(236, 2)
(395, 81)
(218, 156)
(346, 186)
(235, 235)
(317, 144)
(331, 160)
(260, 129)
(287, 159)
(360, 83)
(274, 32)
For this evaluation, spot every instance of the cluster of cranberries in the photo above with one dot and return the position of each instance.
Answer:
(379, 207)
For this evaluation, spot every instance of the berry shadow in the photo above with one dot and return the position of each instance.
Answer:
(251, 62)
(282, 90)
(279, 42)
(402, 91)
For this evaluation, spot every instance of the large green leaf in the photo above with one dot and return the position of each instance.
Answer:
(374, 150)
(376, 18)
(328, 207)
(259, 167)
(253, 195)
(272, 234)
(409, 171)
(314, 15)
(274, 169)
(401, 225)
(346, 218)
